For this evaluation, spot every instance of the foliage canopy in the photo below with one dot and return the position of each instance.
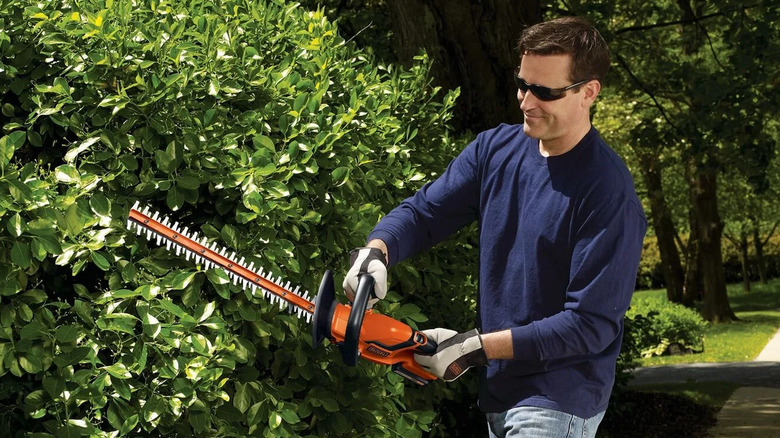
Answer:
(254, 122)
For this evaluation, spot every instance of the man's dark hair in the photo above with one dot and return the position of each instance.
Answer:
(569, 36)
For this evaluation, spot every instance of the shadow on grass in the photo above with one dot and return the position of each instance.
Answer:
(761, 297)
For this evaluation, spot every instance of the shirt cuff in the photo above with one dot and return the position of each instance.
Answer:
(525, 343)
(390, 242)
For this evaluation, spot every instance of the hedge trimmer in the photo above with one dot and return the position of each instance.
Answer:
(357, 331)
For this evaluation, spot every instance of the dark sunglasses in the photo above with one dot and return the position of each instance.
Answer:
(544, 93)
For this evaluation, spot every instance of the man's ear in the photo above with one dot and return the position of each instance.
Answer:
(591, 90)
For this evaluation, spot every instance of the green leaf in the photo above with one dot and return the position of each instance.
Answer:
(73, 152)
(261, 141)
(230, 235)
(67, 333)
(51, 244)
(141, 355)
(9, 144)
(208, 309)
(242, 399)
(43, 227)
(53, 385)
(217, 276)
(151, 326)
(72, 357)
(340, 174)
(38, 250)
(208, 116)
(84, 311)
(100, 205)
(155, 407)
(21, 255)
(277, 189)
(118, 370)
(188, 182)
(175, 198)
(199, 416)
(7, 316)
(122, 388)
(67, 174)
(119, 322)
(289, 416)
(16, 225)
(31, 363)
(25, 313)
(8, 110)
(100, 261)
(128, 425)
(274, 420)
(169, 306)
(148, 291)
(72, 221)
(330, 404)
(182, 280)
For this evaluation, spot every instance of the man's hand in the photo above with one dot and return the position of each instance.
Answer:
(367, 261)
(456, 353)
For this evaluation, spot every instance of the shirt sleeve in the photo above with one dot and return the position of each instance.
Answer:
(604, 265)
(436, 211)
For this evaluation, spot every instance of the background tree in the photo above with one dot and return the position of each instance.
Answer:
(751, 221)
(702, 66)
(472, 45)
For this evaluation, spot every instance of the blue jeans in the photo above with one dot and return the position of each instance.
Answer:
(533, 422)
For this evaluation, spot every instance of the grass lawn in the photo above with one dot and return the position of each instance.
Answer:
(759, 319)
(742, 340)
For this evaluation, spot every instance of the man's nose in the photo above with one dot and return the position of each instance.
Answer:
(527, 99)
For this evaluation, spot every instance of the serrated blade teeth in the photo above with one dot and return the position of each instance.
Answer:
(199, 249)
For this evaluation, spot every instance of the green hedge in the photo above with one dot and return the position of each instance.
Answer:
(252, 121)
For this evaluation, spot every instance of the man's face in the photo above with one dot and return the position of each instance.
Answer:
(559, 124)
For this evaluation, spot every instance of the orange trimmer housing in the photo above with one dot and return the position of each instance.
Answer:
(360, 332)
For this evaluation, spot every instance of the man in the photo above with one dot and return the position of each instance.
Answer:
(561, 232)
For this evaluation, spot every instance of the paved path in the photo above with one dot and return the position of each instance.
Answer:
(750, 412)
(753, 411)
(762, 374)
(771, 353)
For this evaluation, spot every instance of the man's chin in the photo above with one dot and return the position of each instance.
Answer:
(530, 131)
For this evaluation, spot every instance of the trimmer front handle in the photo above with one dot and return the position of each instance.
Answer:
(360, 332)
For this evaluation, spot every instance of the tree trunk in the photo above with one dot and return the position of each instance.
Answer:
(716, 302)
(692, 287)
(759, 244)
(743, 258)
(473, 47)
(663, 226)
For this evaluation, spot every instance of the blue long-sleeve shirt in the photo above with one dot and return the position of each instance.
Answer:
(560, 241)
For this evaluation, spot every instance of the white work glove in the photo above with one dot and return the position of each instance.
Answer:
(367, 261)
(456, 353)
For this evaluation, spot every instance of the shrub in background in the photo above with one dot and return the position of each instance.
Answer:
(251, 121)
(672, 328)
